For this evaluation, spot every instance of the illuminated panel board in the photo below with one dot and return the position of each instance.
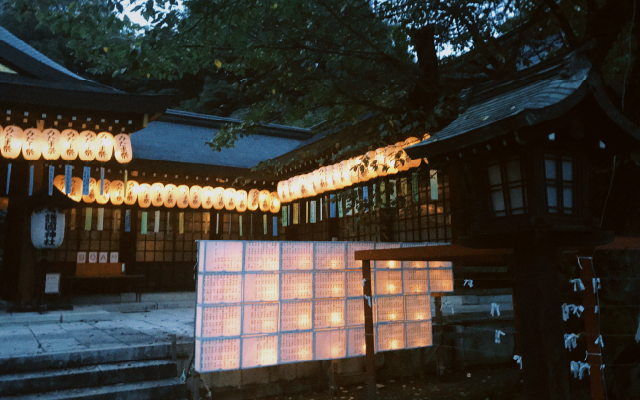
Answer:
(267, 303)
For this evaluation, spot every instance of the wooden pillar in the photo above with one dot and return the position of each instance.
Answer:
(438, 338)
(368, 330)
(589, 303)
(537, 290)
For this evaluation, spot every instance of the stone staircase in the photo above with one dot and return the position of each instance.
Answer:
(141, 373)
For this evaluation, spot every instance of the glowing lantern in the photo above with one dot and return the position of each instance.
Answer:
(47, 228)
(285, 192)
(329, 178)
(206, 197)
(131, 194)
(58, 183)
(157, 194)
(116, 192)
(253, 198)
(275, 203)
(280, 188)
(182, 199)
(69, 144)
(390, 159)
(381, 162)
(354, 170)
(169, 195)
(32, 144)
(337, 176)
(241, 200)
(91, 197)
(52, 145)
(76, 189)
(345, 173)
(316, 180)
(104, 197)
(370, 171)
(194, 196)
(229, 199)
(265, 200)
(11, 141)
(218, 198)
(122, 147)
(86, 150)
(144, 195)
(306, 185)
(103, 146)
(296, 187)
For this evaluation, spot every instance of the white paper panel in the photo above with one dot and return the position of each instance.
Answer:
(297, 255)
(296, 316)
(296, 347)
(263, 303)
(297, 285)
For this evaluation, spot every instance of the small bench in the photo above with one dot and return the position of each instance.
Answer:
(109, 273)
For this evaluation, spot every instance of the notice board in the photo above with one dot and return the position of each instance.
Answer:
(262, 303)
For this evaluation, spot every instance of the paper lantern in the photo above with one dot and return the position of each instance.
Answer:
(47, 228)
(285, 192)
(337, 176)
(241, 200)
(370, 171)
(122, 147)
(354, 170)
(69, 144)
(157, 194)
(329, 178)
(229, 199)
(306, 185)
(345, 171)
(253, 198)
(32, 144)
(131, 194)
(194, 196)
(116, 192)
(381, 162)
(91, 197)
(182, 199)
(58, 183)
(103, 146)
(206, 197)
(52, 145)
(104, 197)
(265, 200)
(316, 180)
(218, 198)
(390, 159)
(280, 188)
(295, 188)
(11, 140)
(169, 195)
(144, 195)
(86, 150)
(275, 203)
(76, 189)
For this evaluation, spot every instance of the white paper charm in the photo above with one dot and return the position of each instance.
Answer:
(578, 368)
(577, 284)
(599, 341)
(565, 312)
(596, 285)
(518, 359)
(468, 282)
(495, 308)
(570, 341)
(498, 334)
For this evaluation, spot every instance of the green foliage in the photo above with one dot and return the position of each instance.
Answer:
(375, 71)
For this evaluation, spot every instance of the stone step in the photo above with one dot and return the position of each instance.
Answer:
(91, 357)
(165, 389)
(85, 376)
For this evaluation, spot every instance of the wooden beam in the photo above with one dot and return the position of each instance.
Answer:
(621, 243)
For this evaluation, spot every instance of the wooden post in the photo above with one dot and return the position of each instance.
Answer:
(591, 326)
(438, 338)
(368, 330)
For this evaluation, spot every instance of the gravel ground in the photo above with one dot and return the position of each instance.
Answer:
(499, 382)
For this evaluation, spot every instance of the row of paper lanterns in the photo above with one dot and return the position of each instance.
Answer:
(159, 195)
(52, 144)
(349, 172)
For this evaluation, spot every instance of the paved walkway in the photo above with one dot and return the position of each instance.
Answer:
(31, 335)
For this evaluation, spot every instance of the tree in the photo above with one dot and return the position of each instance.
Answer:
(376, 68)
